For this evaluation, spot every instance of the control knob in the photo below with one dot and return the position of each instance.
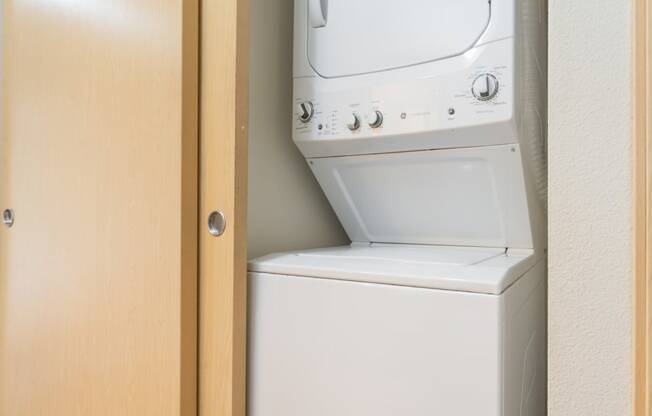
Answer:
(485, 87)
(375, 119)
(353, 122)
(306, 111)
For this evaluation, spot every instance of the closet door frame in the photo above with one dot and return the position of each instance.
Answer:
(642, 328)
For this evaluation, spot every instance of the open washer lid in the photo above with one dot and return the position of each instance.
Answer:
(464, 269)
(348, 37)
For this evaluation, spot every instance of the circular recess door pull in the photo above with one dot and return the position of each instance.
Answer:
(8, 218)
(216, 223)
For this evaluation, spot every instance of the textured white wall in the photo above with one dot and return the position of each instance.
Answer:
(287, 210)
(590, 218)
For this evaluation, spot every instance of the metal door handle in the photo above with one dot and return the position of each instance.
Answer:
(216, 223)
(8, 217)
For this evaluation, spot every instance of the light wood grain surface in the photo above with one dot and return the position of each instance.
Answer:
(223, 177)
(643, 210)
(98, 299)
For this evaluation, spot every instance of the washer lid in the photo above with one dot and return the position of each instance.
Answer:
(355, 37)
(466, 269)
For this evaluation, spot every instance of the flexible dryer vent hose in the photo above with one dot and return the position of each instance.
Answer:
(533, 92)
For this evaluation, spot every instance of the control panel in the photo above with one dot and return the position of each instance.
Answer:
(480, 96)
(466, 100)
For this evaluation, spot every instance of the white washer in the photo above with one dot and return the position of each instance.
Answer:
(397, 330)
(424, 123)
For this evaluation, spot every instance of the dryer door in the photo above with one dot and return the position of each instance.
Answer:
(355, 37)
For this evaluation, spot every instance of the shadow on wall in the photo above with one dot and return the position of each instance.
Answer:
(287, 209)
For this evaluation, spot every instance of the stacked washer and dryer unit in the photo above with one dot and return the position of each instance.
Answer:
(423, 121)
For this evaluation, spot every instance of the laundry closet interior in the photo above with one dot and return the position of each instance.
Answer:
(325, 207)
(405, 143)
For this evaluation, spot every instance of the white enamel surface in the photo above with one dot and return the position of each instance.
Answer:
(466, 197)
(365, 36)
(480, 270)
(324, 347)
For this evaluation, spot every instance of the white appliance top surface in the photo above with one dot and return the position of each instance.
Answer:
(467, 269)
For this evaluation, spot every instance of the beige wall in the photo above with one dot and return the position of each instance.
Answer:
(287, 210)
(590, 158)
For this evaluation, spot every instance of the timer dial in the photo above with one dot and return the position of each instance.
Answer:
(485, 87)
(306, 111)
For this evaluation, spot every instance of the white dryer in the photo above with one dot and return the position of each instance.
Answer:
(423, 121)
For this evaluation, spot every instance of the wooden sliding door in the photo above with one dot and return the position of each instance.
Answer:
(223, 259)
(99, 180)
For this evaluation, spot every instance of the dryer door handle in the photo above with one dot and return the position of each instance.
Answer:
(318, 13)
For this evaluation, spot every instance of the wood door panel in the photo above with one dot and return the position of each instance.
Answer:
(223, 177)
(99, 148)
